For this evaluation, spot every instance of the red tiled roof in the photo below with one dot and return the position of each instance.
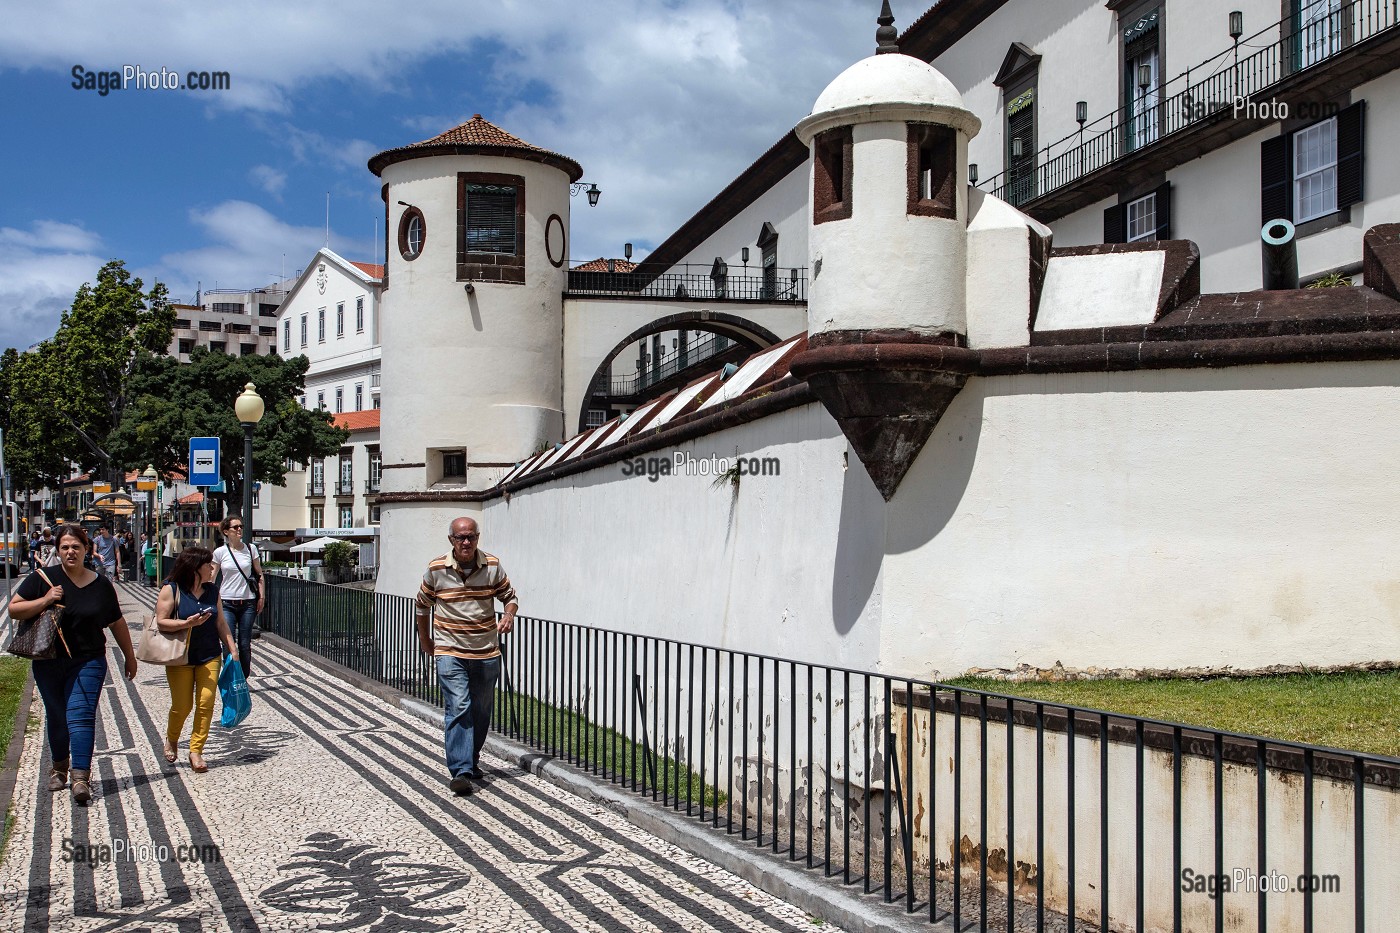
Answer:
(477, 132)
(601, 265)
(358, 420)
(372, 269)
(194, 498)
(476, 135)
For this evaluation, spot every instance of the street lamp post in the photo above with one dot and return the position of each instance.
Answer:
(152, 528)
(249, 409)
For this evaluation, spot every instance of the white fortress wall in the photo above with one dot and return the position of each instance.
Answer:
(1165, 519)
(789, 566)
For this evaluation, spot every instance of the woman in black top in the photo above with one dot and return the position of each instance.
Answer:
(71, 683)
(190, 602)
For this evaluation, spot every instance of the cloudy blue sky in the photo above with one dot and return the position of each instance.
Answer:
(661, 102)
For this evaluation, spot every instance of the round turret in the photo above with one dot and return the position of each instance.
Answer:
(888, 242)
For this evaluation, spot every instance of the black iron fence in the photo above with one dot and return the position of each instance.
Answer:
(956, 804)
(1245, 71)
(664, 367)
(698, 282)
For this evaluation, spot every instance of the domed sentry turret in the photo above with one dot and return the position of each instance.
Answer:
(888, 253)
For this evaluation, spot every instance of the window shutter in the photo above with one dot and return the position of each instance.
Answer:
(1163, 203)
(1115, 224)
(1276, 179)
(1351, 154)
(491, 219)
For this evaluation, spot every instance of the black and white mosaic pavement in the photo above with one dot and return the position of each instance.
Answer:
(328, 810)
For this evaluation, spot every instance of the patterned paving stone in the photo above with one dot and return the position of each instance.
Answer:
(328, 810)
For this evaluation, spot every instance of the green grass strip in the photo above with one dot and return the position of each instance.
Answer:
(1352, 711)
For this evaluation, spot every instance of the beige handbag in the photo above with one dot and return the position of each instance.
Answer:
(165, 648)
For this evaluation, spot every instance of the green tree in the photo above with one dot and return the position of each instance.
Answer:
(80, 376)
(36, 441)
(170, 402)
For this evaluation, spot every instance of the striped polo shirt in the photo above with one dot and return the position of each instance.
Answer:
(460, 600)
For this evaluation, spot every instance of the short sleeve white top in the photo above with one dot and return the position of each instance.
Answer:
(230, 562)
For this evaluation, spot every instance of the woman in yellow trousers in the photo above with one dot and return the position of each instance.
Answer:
(190, 602)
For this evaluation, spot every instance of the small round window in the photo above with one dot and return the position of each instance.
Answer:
(413, 230)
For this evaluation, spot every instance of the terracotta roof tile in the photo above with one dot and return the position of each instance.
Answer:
(358, 420)
(372, 269)
(601, 265)
(476, 134)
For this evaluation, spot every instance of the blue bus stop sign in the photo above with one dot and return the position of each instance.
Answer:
(204, 461)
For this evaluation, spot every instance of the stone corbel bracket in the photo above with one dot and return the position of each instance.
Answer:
(886, 390)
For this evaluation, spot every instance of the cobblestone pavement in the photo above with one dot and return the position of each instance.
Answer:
(329, 809)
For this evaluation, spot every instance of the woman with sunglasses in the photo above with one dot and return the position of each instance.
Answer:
(242, 586)
(191, 603)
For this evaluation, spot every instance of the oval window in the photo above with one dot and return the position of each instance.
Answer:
(413, 231)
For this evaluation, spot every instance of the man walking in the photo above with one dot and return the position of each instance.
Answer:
(105, 553)
(456, 600)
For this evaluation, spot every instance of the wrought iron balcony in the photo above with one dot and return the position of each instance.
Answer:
(371, 487)
(688, 281)
(346, 487)
(1206, 93)
(316, 489)
(666, 366)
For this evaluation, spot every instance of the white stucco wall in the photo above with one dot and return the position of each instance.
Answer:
(1234, 517)
(1179, 518)
(594, 326)
(784, 206)
(507, 337)
(790, 565)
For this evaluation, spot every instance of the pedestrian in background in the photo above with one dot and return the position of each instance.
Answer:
(105, 554)
(71, 684)
(241, 586)
(48, 548)
(191, 602)
(456, 618)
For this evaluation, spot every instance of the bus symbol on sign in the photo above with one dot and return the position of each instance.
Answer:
(204, 461)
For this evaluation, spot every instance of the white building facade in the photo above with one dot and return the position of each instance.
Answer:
(332, 317)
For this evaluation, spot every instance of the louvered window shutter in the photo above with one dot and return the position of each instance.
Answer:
(491, 219)
(1276, 179)
(1351, 154)
(1163, 203)
(1115, 224)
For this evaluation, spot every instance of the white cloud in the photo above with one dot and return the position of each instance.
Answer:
(662, 104)
(44, 268)
(268, 179)
(246, 248)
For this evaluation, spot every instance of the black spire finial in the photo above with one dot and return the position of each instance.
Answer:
(886, 35)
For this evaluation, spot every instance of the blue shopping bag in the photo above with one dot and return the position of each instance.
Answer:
(233, 690)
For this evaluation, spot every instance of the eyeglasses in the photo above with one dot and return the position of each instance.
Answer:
(461, 538)
(235, 527)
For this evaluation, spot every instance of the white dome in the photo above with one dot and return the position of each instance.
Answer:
(887, 79)
(892, 86)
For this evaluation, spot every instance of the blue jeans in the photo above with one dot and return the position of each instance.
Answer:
(239, 614)
(70, 689)
(468, 690)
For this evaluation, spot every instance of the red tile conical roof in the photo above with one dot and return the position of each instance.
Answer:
(477, 136)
